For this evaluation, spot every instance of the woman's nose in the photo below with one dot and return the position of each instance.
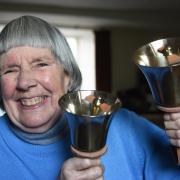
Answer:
(26, 80)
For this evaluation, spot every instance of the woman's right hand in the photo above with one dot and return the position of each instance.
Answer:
(82, 169)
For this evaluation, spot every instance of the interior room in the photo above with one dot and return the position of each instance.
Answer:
(119, 27)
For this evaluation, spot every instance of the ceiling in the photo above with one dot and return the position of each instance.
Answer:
(97, 13)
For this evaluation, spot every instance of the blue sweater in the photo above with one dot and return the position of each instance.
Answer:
(137, 150)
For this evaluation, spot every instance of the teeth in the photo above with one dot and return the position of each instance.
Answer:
(32, 101)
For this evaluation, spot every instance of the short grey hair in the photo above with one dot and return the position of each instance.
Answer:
(35, 32)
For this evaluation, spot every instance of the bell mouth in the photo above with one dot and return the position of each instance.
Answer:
(159, 61)
(89, 103)
(159, 53)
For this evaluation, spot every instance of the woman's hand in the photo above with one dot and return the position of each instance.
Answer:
(172, 126)
(82, 169)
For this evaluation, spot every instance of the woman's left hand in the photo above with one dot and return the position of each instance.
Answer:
(172, 127)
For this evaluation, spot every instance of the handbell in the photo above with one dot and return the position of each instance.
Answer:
(159, 61)
(89, 114)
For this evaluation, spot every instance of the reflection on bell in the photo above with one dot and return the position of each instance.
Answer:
(89, 115)
(160, 63)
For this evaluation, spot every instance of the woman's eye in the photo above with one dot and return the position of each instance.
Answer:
(42, 64)
(9, 71)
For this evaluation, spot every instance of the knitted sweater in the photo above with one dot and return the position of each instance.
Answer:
(137, 150)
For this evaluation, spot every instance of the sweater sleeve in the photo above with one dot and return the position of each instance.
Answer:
(142, 149)
(158, 162)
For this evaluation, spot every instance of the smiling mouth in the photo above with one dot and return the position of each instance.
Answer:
(32, 101)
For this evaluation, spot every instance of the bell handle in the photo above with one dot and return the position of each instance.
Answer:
(90, 155)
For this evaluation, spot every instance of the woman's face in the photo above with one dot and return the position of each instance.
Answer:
(32, 81)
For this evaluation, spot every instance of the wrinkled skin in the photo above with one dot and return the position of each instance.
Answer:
(82, 169)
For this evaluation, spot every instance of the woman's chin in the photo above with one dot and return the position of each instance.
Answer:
(35, 126)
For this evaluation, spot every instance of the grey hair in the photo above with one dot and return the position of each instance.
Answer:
(35, 32)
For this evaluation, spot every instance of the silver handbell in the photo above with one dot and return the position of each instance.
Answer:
(159, 61)
(89, 114)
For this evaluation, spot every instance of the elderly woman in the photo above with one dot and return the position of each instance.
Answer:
(37, 68)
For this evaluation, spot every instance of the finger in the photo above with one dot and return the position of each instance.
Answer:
(82, 163)
(175, 134)
(175, 142)
(172, 125)
(94, 172)
(166, 117)
(87, 163)
(171, 116)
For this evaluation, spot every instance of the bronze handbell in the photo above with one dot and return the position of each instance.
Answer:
(89, 114)
(159, 61)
